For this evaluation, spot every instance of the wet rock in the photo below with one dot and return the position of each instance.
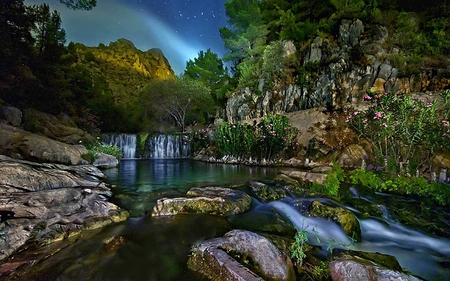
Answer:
(114, 243)
(11, 115)
(210, 258)
(48, 202)
(345, 218)
(306, 176)
(267, 193)
(206, 200)
(356, 268)
(105, 161)
(21, 144)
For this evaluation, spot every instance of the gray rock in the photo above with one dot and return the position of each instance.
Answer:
(306, 176)
(350, 270)
(269, 262)
(47, 202)
(12, 115)
(18, 143)
(206, 200)
(105, 161)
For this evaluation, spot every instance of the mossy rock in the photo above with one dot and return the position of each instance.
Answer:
(343, 217)
(267, 193)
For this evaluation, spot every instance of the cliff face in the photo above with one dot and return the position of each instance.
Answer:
(125, 68)
(337, 72)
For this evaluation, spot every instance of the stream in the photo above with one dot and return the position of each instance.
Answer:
(158, 248)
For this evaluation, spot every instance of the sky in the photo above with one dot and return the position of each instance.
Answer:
(180, 28)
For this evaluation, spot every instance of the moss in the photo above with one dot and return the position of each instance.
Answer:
(343, 217)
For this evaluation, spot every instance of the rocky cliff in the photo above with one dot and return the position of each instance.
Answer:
(336, 71)
(125, 68)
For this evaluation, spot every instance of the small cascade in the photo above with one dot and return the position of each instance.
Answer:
(320, 231)
(126, 143)
(167, 146)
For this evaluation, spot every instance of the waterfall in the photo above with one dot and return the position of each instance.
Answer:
(126, 143)
(167, 146)
(156, 146)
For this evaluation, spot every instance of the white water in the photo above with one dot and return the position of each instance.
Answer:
(126, 143)
(320, 231)
(158, 146)
(415, 251)
(167, 146)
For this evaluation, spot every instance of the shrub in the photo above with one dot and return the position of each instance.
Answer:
(403, 131)
(95, 147)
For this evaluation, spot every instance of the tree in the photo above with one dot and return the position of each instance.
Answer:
(79, 4)
(16, 46)
(182, 100)
(47, 31)
(208, 69)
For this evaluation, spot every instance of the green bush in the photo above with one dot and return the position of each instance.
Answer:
(95, 147)
(272, 138)
(418, 186)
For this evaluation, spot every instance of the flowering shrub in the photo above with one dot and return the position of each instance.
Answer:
(403, 130)
(273, 137)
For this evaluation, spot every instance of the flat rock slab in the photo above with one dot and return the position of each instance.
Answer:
(42, 203)
(211, 260)
(205, 200)
(306, 176)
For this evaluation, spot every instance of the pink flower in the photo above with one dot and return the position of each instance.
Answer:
(367, 97)
(355, 113)
(383, 125)
(378, 115)
(429, 105)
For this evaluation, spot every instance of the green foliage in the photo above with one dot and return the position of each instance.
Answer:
(332, 183)
(419, 186)
(96, 147)
(404, 132)
(298, 246)
(79, 4)
(273, 137)
(182, 100)
(209, 69)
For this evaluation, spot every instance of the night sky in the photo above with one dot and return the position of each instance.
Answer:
(180, 28)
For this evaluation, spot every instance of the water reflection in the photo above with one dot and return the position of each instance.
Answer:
(139, 183)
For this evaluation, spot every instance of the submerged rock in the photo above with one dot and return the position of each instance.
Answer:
(211, 260)
(207, 200)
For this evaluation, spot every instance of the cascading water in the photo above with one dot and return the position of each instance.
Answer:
(126, 143)
(156, 146)
(167, 146)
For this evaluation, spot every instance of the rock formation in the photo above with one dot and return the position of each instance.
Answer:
(337, 74)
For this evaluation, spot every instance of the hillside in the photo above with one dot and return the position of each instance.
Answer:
(125, 68)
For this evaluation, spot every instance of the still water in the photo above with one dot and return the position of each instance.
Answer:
(157, 248)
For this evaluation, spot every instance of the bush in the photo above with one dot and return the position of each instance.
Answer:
(273, 137)
(95, 147)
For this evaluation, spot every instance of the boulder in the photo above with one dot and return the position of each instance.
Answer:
(356, 268)
(61, 128)
(12, 115)
(42, 203)
(306, 176)
(105, 161)
(267, 193)
(345, 218)
(210, 258)
(352, 156)
(17, 143)
(205, 200)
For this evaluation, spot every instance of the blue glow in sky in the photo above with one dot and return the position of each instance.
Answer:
(180, 28)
